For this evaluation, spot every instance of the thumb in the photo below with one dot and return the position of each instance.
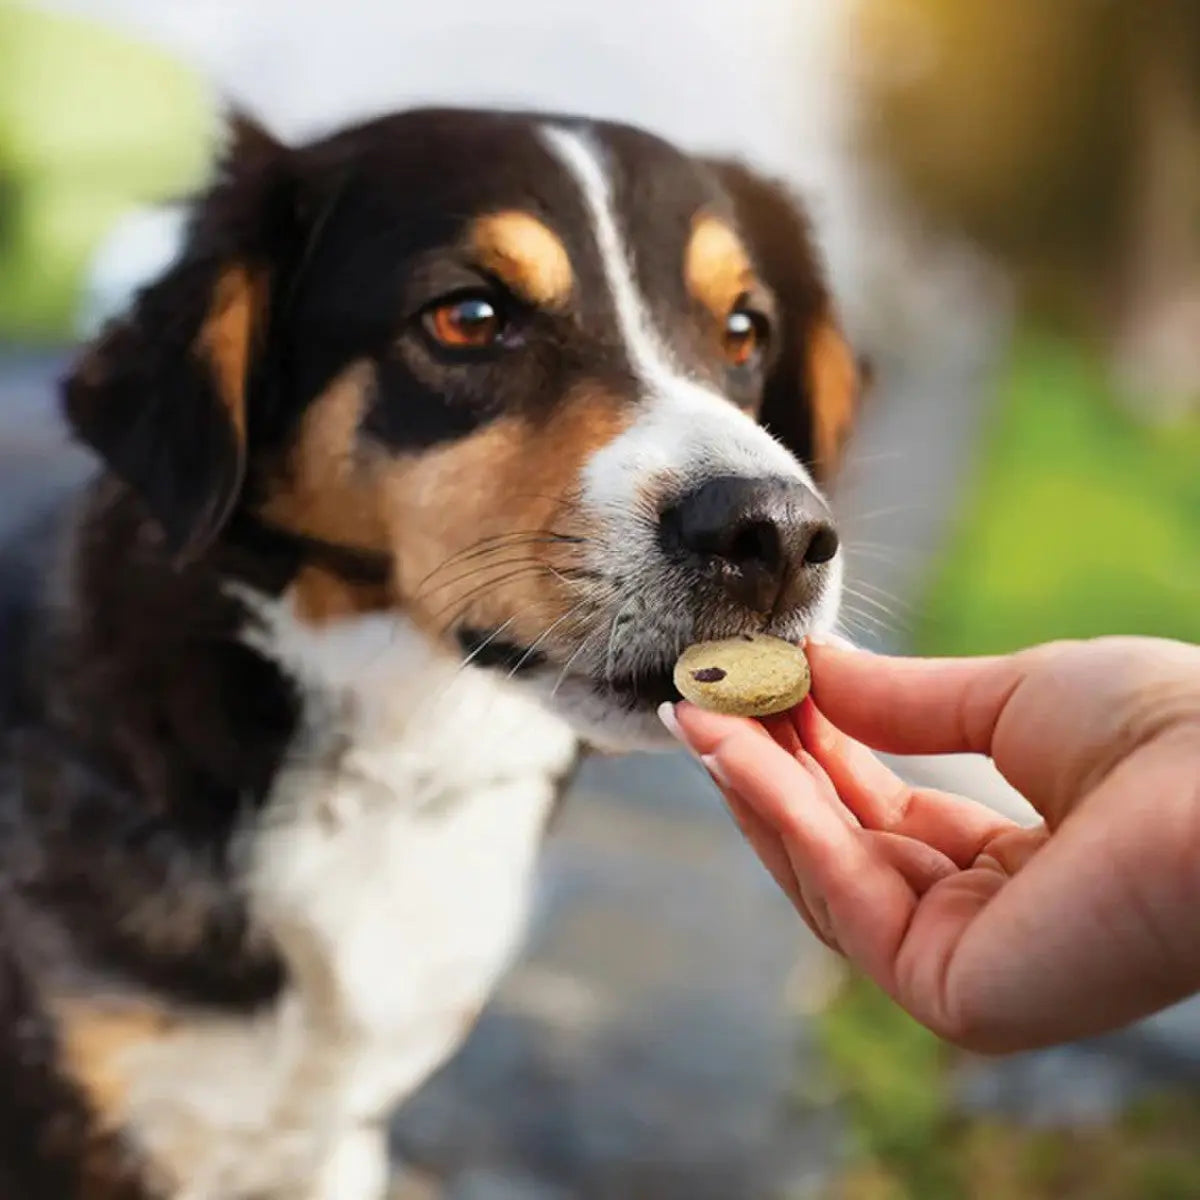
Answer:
(914, 705)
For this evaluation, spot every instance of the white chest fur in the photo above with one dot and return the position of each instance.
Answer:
(393, 866)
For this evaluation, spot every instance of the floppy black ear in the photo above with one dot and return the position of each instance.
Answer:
(811, 396)
(162, 394)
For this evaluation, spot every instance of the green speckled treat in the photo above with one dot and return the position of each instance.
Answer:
(749, 676)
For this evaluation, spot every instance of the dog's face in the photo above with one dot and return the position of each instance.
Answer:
(523, 365)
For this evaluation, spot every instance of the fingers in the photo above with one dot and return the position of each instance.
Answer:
(921, 865)
(859, 881)
(857, 787)
(703, 732)
(766, 844)
(1056, 719)
(1094, 932)
(914, 706)
(880, 799)
(858, 890)
(1011, 851)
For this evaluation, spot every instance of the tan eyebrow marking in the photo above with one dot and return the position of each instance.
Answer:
(834, 383)
(526, 254)
(716, 266)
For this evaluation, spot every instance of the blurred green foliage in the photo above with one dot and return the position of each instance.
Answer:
(1084, 520)
(894, 1079)
(91, 125)
(889, 1072)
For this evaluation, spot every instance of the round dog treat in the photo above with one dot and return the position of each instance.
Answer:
(748, 676)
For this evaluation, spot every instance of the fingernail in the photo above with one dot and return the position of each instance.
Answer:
(715, 769)
(666, 714)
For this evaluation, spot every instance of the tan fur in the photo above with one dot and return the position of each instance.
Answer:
(111, 1050)
(322, 596)
(528, 256)
(509, 480)
(94, 1036)
(227, 335)
(834, 386)
(716, 266)
(328, 487)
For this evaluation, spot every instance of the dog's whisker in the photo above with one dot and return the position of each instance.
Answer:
(496, 546)
(610, 652)
(480, 569)
(877, 590)
(562, 675)
(867, 619)
(469, 597)
(503, 541)
(888, 555)
(854, 630)
(878, 513)
(872, 602)
(491, 637)
(443, 692)
(846, 629)
(573, 579)
(487, 554)
(532, 648)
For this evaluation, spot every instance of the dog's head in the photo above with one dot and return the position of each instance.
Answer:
(560, 394)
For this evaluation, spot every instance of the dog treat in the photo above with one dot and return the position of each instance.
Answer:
(748, 676)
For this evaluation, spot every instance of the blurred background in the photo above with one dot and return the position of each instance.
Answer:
(1008, 194)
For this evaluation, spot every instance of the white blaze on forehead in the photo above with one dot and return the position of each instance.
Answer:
(684, 433)
(686, 429)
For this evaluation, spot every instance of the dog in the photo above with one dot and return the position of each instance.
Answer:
(437, 442)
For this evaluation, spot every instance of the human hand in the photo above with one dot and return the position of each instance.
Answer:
(996, 936)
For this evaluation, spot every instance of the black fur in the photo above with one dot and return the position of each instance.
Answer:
(781, 241)
(146, 398)
(138, 728)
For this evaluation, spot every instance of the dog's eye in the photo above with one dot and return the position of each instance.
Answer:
(743, 336)
(465, 323)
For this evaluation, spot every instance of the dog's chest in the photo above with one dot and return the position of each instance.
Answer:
(395, 917)
(392, 865)
(394, 860)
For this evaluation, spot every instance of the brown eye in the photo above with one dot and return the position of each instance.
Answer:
(742, 336)
(468, 323)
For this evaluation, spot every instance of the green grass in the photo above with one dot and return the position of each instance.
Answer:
(909, 1143)
(92, 125)
(890, 1072)
(1082, 523)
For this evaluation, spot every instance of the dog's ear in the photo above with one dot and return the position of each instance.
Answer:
(812, 392)
(162, 395)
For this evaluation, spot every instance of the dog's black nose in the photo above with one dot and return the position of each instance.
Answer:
(761, 537)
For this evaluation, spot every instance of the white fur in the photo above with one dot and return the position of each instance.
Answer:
(686, 429)
(392, 865)
(685, 433)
